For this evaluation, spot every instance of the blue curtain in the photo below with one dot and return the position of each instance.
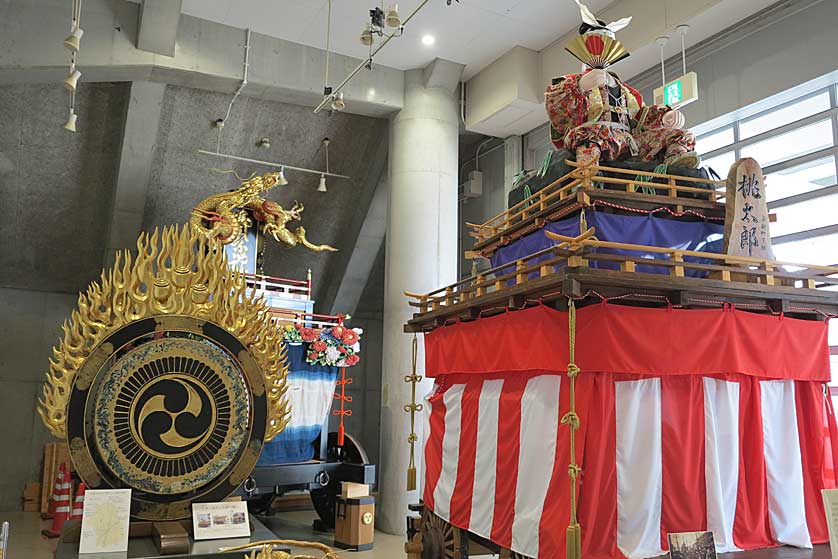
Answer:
(641, 230)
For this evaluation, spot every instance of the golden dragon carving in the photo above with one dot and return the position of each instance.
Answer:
(224, 217)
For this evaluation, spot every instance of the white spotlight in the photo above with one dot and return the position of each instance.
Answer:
(338, 104)
(393, 19)
(73, 40)
(281, 180)
(72, 79)
(428, 40)
(366, 36)
(71, 121)
(322, 186)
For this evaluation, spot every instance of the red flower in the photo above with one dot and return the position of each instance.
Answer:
(349, 337)
(352, 360)
(309, 334)
(342, 349)
(313, 355)
(337, 331)
(318, 346)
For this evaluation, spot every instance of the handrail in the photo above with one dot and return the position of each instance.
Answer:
(586, 175)
(581, 250)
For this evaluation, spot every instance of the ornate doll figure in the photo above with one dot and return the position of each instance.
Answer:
(598, 116)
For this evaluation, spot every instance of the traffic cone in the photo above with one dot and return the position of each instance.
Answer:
(78, 503)
(62, 500)
(51, 510)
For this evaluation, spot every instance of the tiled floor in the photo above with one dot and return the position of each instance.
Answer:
(26, 541)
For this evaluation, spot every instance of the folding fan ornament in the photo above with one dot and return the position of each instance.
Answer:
(597, 51)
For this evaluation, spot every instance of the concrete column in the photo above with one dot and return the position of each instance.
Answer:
(421, 254)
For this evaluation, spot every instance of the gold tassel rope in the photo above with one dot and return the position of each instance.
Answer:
(574, 530)
(412, 408)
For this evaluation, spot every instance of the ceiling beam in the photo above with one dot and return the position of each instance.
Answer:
(158, 26)
(139, 138)
(208, 56)
(349, 274)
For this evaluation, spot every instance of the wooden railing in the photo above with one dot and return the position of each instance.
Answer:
(587, 252)
(587, 177)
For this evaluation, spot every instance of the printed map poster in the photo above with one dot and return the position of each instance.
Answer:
(746, 212)
(104, 522)
(220, 520)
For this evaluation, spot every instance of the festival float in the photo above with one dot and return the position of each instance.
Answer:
(187, 375)
(632, 346)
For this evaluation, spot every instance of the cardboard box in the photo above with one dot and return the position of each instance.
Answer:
(54, 455)
(31, 506)
(32, 491)
(350, 490)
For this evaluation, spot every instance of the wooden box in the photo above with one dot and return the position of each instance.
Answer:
(351, 490)
(355, 523)
(54, 455)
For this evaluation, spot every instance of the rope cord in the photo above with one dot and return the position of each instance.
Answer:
(571, 419)
(412, 408)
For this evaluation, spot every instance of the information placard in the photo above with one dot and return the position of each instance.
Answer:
(227, 519)
(104, 522)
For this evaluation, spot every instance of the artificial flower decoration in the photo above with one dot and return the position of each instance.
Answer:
(337, 346)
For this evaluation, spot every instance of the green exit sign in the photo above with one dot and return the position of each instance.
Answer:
(673, 94)
(678, 93)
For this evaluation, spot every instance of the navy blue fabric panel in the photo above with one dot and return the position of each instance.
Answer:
(641, 230)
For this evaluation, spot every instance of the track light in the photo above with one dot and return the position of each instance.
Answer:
(322, 186)
(338, 104)
(281, 180)
(264, 143)
(71, 121)
(366, 36)
(393, 19)
(72, 79)
(73, 40)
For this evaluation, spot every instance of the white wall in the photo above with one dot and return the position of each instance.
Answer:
(491, 203)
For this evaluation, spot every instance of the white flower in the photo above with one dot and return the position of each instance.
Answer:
(341, 363)
(332, 354)
(358, 331)
(356, 347)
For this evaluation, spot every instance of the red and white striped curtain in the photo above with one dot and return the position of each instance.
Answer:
(742, 455)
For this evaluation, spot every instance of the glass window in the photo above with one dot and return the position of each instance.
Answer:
(821, 251)
(714, 140)
(811, 214)
(805, 177)
(720, 163)
(791, 144)
(784, 115)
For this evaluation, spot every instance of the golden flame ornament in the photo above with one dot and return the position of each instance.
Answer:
(175, 272)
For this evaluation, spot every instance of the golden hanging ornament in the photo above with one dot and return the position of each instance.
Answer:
(412, 408)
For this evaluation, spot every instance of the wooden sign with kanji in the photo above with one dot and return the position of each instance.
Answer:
(746, 212)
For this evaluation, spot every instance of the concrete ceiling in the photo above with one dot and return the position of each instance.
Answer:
(181, 177)
(471, 32)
